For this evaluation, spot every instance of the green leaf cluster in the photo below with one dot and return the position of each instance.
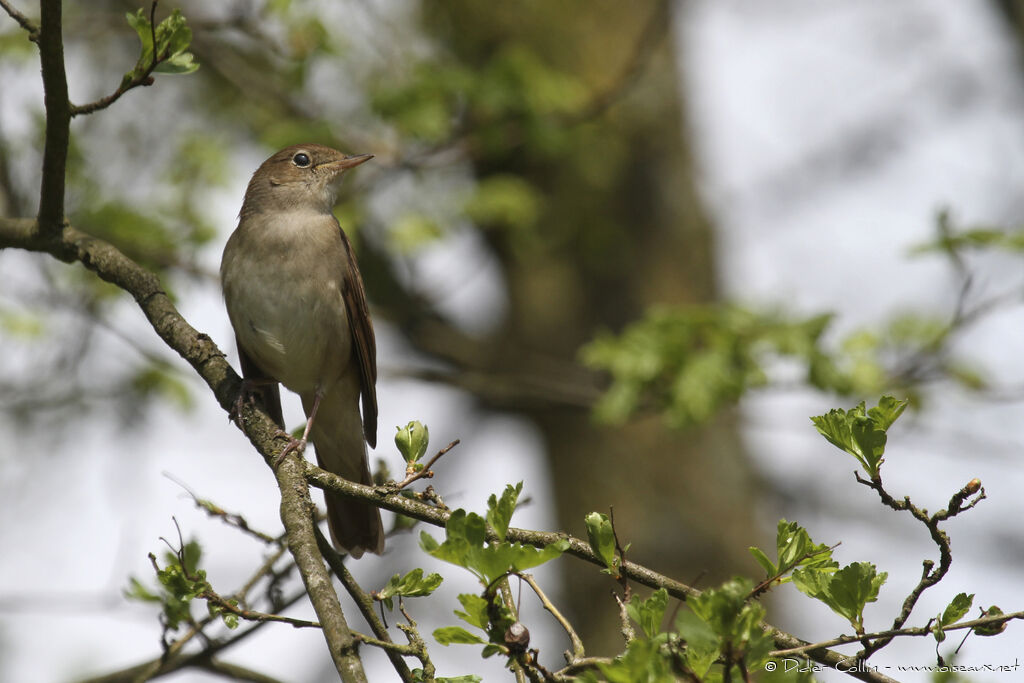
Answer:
(644, 661)
(466, 544)
(793, 549)
(485, 613)
(515, 95)
(179, 583)
(488, 614)
(951, 241)
(412, 585)
(649, 612)
(846, 591)
(734, 621)
(859, 433)
(170, 51)
(690, 362)
(720, 635)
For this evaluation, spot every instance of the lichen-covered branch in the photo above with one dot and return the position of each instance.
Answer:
(297, 512)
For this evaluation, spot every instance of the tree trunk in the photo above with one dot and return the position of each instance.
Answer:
(623, 228)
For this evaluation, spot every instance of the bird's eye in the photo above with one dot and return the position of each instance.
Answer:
(301, 160)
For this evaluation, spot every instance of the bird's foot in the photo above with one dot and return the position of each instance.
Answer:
(294, 445)
(246, 395)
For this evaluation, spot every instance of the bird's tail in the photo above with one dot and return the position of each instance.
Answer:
(337, 435)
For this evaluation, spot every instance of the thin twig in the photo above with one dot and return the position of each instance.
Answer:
(253, 615)
(145, 78)
(23, 21)
(897, 633)
(577, 644)
(365, 604)
(212, 509)
(930, 574)
(425, 470)
(621, 550)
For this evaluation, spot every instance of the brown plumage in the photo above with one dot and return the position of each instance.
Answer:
(297, 304)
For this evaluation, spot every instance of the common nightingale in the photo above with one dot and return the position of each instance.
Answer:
(297, 304)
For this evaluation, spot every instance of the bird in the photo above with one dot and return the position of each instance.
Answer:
(296, 302)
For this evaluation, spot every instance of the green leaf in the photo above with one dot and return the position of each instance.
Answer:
(731, 617)
(178, 584)
(991, 629)
(412, 585)
(140, 22)
(464, 546)
(861, 434)
(886, 412)
(957, 609)
(173, 35)
(846, 591)
(475, 613)
(137, 591)
(184, 63)
(412, 440)
(499, 511)
(762, 559)
(703, 647)
(644, 661)
(794, 548)
(229, 618)
(649, 613)
(446, 635)
(602, 540)
(468, 678)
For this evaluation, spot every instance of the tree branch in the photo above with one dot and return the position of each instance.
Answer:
(297, 511)
(58, 118)
(23, 21)
(365, 604)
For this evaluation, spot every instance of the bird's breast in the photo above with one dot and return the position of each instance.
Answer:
(283, 295)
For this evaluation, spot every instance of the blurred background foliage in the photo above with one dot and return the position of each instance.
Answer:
(554, 143)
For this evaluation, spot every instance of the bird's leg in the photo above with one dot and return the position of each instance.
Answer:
(299, 445)
(246, 393)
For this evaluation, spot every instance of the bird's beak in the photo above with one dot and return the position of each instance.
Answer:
(351, 161)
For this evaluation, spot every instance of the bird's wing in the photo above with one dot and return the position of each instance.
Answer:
(363, 342)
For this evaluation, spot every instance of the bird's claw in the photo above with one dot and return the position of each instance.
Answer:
(296, 445)
(246, 395)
